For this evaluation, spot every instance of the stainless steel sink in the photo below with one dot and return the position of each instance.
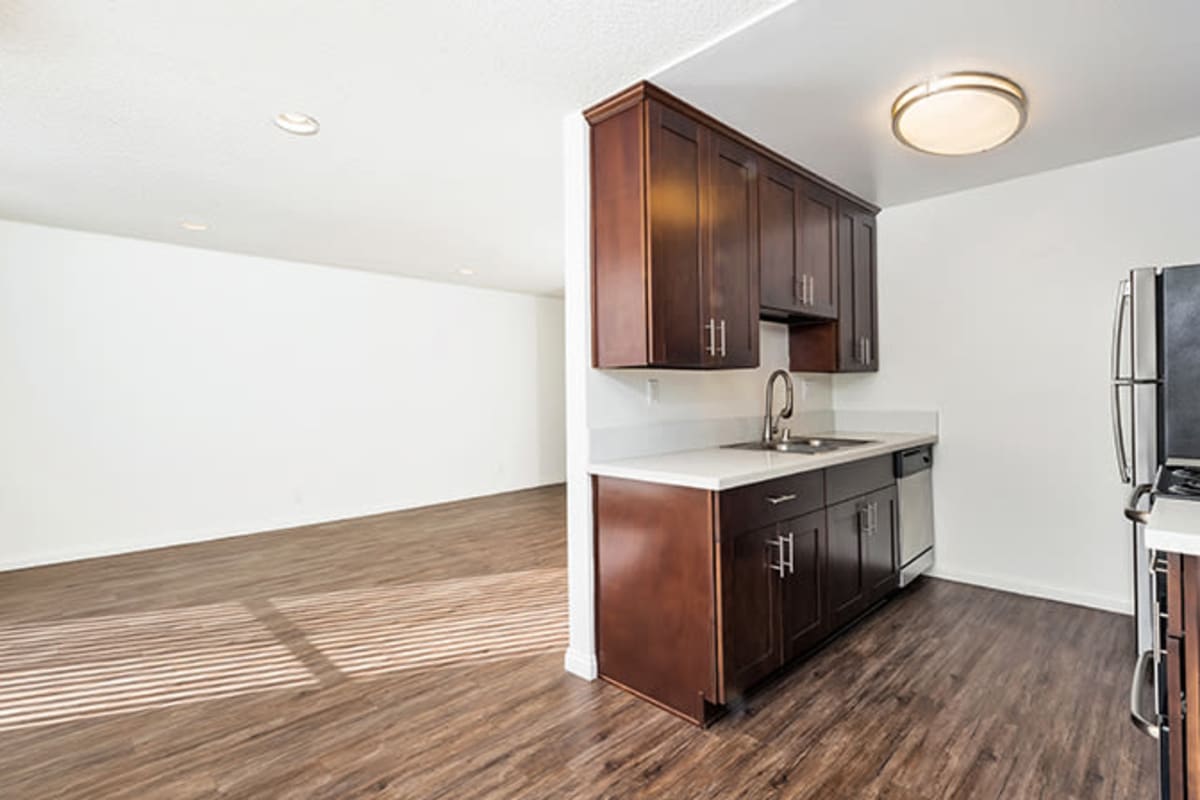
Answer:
(804, 444)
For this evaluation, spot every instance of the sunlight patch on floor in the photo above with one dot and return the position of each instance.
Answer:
(74, 669)
(436, 624)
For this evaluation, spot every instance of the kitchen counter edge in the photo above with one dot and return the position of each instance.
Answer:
(719, 468)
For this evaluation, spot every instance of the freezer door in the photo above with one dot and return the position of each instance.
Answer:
(1180, 340)
(1143, 308)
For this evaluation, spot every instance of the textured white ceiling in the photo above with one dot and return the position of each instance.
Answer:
(441, 122)
(817, 79)
(440, 145)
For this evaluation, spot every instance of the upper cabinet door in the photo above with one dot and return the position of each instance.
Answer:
(858, 341)
(817, 212)
(779, 240)
(798, 246)
(731, 265)
(866, 319)
(679, 335)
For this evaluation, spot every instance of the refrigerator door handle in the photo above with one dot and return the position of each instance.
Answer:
(1132, 512)
(1142, 721)
(1118, 382)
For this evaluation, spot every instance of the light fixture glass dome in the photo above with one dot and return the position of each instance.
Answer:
(297, 123)
(959, 114)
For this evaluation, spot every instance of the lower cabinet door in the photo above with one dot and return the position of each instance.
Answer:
(751, 566)
(845, 589)
(1176, 728)
(879, 545)
(803, 585)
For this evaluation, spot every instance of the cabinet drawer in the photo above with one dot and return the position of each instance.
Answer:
(771, 501)
(858, 477)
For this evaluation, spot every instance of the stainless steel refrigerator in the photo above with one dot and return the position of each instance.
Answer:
(1155, 395)
(1156, 419)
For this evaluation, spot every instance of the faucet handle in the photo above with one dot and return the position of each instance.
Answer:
(785, 434)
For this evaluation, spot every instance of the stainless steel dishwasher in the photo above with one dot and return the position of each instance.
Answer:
(914, 483)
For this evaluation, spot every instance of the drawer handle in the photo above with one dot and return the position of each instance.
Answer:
(780, 498)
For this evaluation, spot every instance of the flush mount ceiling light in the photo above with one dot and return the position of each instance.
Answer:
(297, 123)
(959, 113)
(189, 225)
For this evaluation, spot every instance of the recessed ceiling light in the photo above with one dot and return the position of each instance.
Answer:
(959, 113)
(188, 225)
(466, 271)
(297, 123)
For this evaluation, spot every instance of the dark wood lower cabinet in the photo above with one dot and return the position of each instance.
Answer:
(803, 587)
(752, 636)
(880, 570)
(702, 595)
(1181, 652)
(847, 589)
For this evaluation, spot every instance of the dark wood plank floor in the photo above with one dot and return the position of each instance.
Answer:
(948, 692)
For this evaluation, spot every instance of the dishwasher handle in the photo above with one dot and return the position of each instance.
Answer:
(914, 460)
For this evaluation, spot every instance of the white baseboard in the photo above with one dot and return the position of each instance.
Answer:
(1005, 583)
(274, 525)
(581, 664)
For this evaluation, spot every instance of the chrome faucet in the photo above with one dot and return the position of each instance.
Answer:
(771, 423)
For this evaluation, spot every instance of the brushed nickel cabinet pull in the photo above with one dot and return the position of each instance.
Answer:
(711, 327)
(779, 567)
(780, 498)
(722, 338)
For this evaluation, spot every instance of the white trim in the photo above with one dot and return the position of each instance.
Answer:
(578, 361)
(1005, 583)
(580, 664)
(272, 526)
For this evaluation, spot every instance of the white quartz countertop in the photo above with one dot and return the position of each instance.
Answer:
(1174, 526)
(720, 468)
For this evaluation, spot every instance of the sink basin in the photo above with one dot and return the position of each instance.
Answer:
(803, 444)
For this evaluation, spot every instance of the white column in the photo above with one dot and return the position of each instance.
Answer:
(581, 651)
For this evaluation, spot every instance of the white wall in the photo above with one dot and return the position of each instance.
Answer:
(153, 394)
(996, 309)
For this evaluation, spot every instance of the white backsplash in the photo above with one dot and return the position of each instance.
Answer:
(638, 412)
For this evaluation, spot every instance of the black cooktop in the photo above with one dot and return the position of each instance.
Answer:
(1178, 481)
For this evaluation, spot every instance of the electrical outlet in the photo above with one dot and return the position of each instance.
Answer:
(652, 391)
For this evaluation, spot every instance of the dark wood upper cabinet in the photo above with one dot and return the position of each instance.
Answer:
(731, 253)
(688, 215)
(818, 249)
(778, 241)
(797, 234)
(682, 273)
(679, 310)
(851, 343)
